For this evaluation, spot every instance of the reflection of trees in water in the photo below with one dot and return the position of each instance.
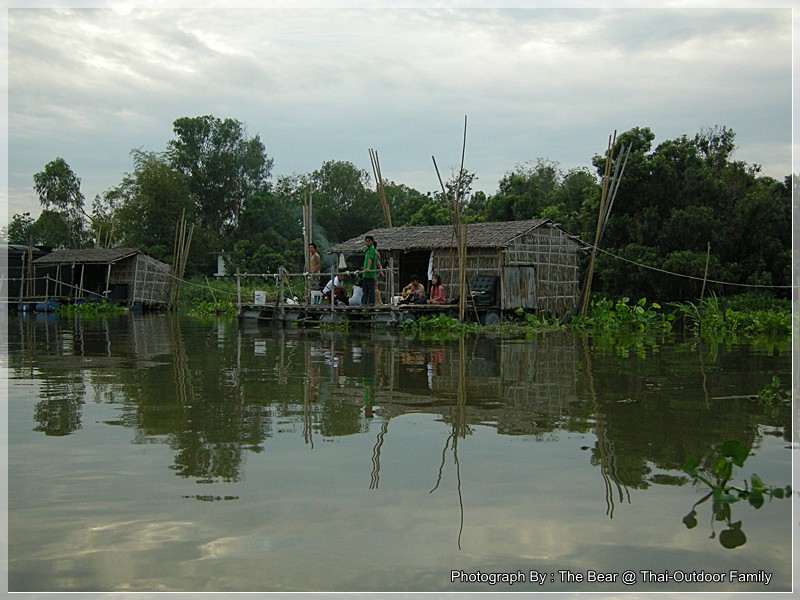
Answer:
(218, 391)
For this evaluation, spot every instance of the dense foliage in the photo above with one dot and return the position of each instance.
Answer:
(685, 211)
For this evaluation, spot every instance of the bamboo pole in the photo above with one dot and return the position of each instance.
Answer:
(376, 169)
(462, 274)
(462, 247)
(588, 285)
(306, 242)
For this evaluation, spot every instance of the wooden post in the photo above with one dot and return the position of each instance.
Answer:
(462, 273)
(333, 289)
(391, 279)
(238, 291)
(106, 294)
(80, 285)
(280, 293)
(22, 280)
(705, 275)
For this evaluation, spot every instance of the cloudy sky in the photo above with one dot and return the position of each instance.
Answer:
(91, 84)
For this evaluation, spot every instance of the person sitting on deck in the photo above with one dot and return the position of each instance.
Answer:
(336, 285)
(436, 294)
(414, 292)
(358, 292)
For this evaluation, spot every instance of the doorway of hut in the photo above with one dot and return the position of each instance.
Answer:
(414, 262)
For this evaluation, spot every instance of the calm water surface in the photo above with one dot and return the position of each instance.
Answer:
(159, 453)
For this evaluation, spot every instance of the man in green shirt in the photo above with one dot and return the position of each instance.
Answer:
(369, 272)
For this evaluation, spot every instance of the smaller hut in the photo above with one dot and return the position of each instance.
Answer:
(530, 265)
(125, 276)
(16, 279)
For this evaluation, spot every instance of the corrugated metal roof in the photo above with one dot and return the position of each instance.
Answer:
(87, 255)
(479, 235)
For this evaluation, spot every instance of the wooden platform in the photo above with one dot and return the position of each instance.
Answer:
(387, 315)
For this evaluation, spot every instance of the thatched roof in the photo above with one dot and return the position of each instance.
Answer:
(479, 235)
(87, 256)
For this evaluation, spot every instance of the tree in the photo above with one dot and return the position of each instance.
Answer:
(223, 167)
(59, 190)
(20, 229)
(678, 198)
(525, 192)
(269, 236)
(344, 203)
(148, 203)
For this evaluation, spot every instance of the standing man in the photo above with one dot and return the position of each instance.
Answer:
(369, 272)
(314, 266)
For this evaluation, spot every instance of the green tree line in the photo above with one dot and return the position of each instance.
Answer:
(684, 206)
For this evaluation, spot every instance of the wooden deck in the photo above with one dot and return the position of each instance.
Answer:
(387, 315)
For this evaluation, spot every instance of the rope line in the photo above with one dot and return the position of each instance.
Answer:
(638, 264)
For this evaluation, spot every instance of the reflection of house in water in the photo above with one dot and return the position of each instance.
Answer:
(520, 387)
(80, 354)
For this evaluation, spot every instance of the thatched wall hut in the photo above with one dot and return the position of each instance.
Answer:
(123, 275)
(535, 262)
(16, 278)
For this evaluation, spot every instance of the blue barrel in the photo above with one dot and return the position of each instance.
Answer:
(48, 306)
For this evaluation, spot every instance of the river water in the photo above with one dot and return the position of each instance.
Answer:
(165, 453)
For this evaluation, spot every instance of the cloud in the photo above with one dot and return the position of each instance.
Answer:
(327, 84)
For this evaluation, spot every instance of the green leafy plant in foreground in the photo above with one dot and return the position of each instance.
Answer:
(773, 396)
(723, 494)
(623, 316)
(711, 317)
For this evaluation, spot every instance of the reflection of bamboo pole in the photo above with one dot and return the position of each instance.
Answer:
(180, 362)
(376, 456)
(458, 424)
(462, 424)
(605, 449)
(307, 421)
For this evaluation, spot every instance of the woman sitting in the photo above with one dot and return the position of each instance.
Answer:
(436, 294)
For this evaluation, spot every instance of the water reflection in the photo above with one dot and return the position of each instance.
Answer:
(216, 391)
(502, 444)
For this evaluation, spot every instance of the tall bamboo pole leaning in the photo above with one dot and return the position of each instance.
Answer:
(462, 246)
(600, 214)
(376, 169)
(459, 234)
(179, 258)
(454, 218)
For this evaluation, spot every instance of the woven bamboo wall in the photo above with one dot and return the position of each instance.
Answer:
(151, 281)
(554, 257)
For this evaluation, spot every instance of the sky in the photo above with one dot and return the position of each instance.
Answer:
(90, 85)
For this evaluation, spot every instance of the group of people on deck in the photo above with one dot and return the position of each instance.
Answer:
(414, 292)
(364, 290)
